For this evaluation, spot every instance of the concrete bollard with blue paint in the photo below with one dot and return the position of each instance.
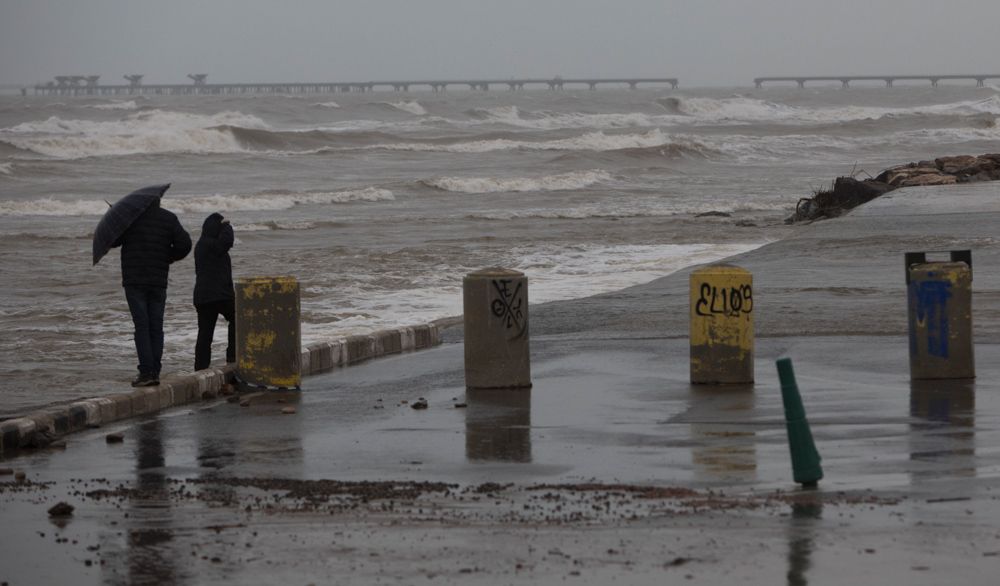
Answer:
(268, 340)
(939, 296)
(497, 353)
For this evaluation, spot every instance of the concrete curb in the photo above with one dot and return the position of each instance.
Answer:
(38, 429)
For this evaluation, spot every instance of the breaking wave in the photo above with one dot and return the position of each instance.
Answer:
(742, 109)
(409, 106)
(591, 141)
(129, 105)
(6, 168)
(155, 131)
(264, 201)
(564, 181)
(326, 105)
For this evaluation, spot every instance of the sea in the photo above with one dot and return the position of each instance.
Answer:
(379, 203)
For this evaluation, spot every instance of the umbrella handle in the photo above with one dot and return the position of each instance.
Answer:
(108, 202)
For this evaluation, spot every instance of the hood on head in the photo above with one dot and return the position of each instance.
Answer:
(212, 225)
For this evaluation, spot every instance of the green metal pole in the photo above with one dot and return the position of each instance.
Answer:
(806, 469)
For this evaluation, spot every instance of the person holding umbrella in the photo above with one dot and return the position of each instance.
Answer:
(151, 239)
(213, 288)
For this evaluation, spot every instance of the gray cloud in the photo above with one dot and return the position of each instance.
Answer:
(706, 42)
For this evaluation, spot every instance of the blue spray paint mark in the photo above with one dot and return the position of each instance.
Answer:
(931, 299)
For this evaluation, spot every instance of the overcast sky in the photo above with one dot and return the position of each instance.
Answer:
(702, 42)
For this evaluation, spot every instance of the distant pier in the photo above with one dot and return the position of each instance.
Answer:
(81, 85)
(845, 80)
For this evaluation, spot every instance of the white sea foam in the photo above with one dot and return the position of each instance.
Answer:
(568, 272)
(6, 168)
(557, 273)
(155, 131)
(53, 207)
(129, 105)
(411, 106)
(276, 225)
(200, 203)
(277, 201)
(746, 110)
(591, 141)
(326, 105)
(564, 181)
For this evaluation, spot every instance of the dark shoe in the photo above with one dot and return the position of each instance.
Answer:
(145, 380)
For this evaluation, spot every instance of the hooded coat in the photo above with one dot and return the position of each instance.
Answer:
(212, 265)
(150, 244)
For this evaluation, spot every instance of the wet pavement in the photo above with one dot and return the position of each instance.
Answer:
(611, 468)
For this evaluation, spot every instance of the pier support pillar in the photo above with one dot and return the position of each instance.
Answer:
(268, 339)
(939, 301)
(722, 335)
(497, 353)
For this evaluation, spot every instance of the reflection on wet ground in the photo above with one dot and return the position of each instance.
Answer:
(723, 451)
(801, 539)
(943, 436)
(611, 441)
(498, 425)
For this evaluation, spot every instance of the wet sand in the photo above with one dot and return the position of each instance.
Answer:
(613, 467)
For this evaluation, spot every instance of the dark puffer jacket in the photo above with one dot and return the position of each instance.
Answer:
(150, 244)
(212, 266)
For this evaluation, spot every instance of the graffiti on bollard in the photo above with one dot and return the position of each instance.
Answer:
(497, 352)
(722, 334)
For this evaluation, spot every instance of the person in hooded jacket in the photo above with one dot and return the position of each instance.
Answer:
(213, 288)
(149, 246)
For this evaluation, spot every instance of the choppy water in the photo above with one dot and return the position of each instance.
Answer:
(380, 203)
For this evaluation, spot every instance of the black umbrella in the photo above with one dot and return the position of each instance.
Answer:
(121, 215)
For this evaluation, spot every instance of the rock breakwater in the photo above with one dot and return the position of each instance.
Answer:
(847, 192)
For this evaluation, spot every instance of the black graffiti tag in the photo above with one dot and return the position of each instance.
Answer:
(508, 306)
(725, 301)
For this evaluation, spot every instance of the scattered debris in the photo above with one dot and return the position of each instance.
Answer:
(115, 438)
(461, 405)
(6, 471)
(20, 476)
(713, 214)
(61, 510)
(420, 403)
(288, 410)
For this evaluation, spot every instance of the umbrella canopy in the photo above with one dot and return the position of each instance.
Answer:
(121, 215)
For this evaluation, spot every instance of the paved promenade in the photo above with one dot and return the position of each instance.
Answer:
(612, 468)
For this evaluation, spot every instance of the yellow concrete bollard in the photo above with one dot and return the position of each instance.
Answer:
(497, 354)
(268, 343)
(939, 301)
(721, 325)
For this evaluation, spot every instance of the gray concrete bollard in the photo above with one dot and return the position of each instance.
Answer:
(939, 302)
(495, 304)
(268, 346)
(722, 333)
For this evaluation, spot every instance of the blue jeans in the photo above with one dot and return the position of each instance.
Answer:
(147, 305)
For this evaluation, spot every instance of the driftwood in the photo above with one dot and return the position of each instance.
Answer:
(847, 192)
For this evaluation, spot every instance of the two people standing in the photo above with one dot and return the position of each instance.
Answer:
(150, 245)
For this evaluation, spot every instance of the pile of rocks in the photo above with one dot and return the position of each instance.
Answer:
(848, 192)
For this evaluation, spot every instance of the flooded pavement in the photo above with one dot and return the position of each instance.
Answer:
(611, 468)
